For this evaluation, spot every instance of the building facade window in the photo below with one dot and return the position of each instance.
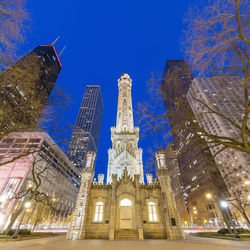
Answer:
(125, 203)
(98, 212)
(152, 212)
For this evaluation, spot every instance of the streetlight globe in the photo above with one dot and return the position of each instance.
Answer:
(248, 197)
(208, 195)
(224, 204)
(27, 204)
(195, 212)
(2, 199)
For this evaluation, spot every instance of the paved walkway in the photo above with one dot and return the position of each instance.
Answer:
(60, 243)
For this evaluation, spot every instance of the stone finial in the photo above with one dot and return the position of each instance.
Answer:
(100, 178)
(90, 159)
(114, 178)
(149, 178)
(137, 178)
(160, 158)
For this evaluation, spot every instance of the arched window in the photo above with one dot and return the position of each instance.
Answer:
(98, 212)
(152, 212)
(125, 203)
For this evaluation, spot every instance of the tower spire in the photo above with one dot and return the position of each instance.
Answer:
(124, 121)
(125, 154)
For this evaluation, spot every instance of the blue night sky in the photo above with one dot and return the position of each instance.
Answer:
(105, 39)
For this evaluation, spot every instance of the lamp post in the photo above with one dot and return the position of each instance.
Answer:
(27, 204)
(224, 205)
(226, 219)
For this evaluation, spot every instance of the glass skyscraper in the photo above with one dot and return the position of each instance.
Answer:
(85, 136)
(196, 165)
(25, 89)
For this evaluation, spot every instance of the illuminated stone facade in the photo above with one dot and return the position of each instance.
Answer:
(125, 152)
(125, 208)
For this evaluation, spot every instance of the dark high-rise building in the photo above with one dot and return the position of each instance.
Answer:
(197, 168)
(87, 128)
(25, 88)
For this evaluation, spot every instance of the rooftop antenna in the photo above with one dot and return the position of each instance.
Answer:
(55, 40)
(62, 50)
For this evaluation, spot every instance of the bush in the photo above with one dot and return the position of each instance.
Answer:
(243, 231)
(24, 232)
(11, 232)
(223, 231)
(20, 232)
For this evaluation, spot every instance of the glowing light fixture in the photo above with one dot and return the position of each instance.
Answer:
(224, 204)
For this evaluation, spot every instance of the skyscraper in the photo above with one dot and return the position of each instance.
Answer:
(196, 164)
(25, 88)
(224, 94)
(87, 128)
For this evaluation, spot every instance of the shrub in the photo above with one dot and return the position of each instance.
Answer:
(223, 231)
(20, 231)
(243, 231)
(11, 232)
(24, 232)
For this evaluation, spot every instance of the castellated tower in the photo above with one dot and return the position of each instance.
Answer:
(171, 214)
(125, 208)
(125, 152)
(78, 221)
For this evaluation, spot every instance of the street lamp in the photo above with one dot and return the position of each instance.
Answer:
(248, 197)
(247, 182)
(27, 204)
(30, 185)
(2, 199)
(224, 204)
(208, 195)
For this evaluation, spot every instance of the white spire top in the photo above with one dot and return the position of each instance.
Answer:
(124, 121)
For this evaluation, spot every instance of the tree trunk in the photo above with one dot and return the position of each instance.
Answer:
(246, 217)
(13, 219)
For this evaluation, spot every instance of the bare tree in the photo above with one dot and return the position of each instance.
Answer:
(217, 42)
(240, 201)
(32, 191)
(13, 26)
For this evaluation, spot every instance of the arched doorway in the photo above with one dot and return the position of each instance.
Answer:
(125, 213)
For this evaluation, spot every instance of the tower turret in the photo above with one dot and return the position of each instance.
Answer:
(78, 221)
(172, 217)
